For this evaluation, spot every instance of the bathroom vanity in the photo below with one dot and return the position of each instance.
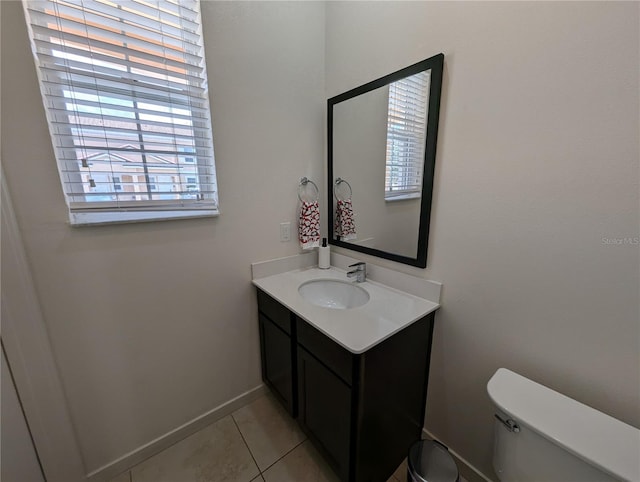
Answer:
(349, 360)
(356, 379)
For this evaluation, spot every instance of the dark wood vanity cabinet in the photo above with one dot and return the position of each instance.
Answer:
(278, 350)
(361, 411)
(324, 411)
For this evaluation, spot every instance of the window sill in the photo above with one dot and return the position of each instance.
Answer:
(92, 219)
(403, 197)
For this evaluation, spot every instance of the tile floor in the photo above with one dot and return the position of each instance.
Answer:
(257, 443)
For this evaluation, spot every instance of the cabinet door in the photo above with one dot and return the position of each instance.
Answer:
(277, 366)
(325, 410)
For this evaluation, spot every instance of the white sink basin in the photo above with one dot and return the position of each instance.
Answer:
(331, 293)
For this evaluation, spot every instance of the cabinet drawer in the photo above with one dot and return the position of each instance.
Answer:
(274, 311)
(336, 358)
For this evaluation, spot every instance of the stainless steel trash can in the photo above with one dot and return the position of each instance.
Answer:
(430, 461)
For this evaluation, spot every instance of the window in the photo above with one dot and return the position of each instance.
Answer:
(406, 133)
(125, 89)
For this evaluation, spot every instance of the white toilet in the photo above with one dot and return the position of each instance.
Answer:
(544, 436)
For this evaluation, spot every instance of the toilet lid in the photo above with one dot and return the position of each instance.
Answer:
(430, 461)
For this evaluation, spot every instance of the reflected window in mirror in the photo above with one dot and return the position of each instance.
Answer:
(406, 131)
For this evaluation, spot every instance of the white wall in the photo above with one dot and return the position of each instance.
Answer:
(537, 162)
(155, 324)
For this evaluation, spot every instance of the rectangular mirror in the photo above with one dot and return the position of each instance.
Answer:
(381, 155)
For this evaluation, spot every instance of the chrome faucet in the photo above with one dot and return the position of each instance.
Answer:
(359, 273)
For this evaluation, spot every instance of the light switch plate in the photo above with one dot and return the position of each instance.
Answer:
(285, 232)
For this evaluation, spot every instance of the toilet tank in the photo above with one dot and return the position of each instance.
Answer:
(542, 435)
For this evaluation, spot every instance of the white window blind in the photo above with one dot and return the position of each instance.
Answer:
(406, 131)
(125, 90)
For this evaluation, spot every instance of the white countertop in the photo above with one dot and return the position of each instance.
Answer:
(357, 329)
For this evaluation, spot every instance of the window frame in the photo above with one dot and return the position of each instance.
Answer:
(117, 209)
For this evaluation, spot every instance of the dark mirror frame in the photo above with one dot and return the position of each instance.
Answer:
(435, 64)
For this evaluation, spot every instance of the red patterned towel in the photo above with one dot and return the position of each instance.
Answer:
(344, 227)
(309, 225)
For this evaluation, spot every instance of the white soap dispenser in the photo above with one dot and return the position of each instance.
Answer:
(324, 256)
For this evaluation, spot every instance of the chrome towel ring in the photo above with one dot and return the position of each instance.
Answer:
(304, 182)
(337, 184)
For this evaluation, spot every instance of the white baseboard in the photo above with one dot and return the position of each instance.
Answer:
(466, 469)
(149, 449)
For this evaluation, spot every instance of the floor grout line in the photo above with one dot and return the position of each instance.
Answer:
(278, 459)
(287, 453)
(183, 439)
(260, 476)
(246, 445)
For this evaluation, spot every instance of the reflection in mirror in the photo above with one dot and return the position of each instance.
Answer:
(406, 136)
(382, 139)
